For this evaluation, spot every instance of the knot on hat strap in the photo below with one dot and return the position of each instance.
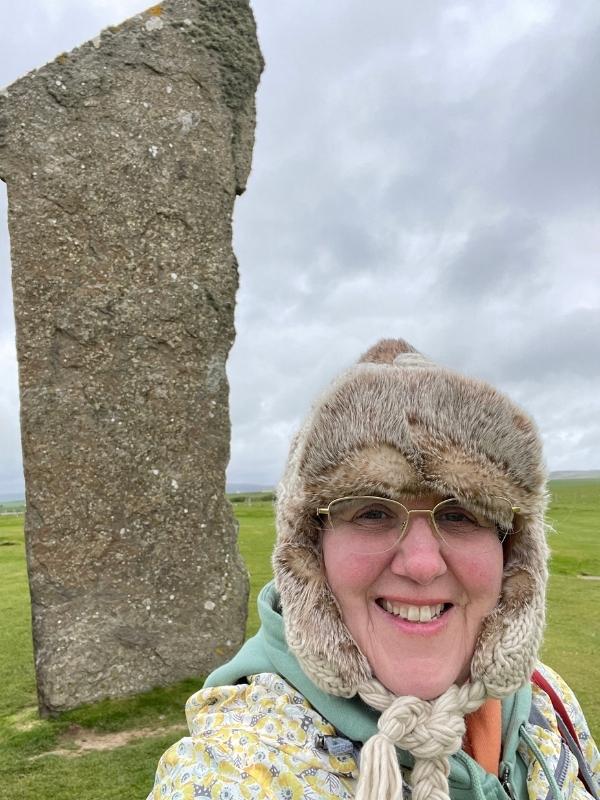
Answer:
(431, 730)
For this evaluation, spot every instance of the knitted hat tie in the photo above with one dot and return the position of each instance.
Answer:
(431, 730)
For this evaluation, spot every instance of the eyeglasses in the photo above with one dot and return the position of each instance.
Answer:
(376, 524)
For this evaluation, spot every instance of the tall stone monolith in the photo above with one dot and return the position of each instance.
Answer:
(123, 159)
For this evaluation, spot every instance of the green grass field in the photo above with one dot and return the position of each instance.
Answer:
(29, 770)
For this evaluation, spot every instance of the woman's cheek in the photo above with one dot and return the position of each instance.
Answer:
(345, 569)
(482, 574)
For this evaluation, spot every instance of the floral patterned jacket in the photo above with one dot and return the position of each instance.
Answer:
(262, 739)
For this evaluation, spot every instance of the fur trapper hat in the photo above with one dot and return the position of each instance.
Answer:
(397, 424)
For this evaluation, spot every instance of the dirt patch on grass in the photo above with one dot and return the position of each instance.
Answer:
(25, 720)
(590, 577)
(77, 741)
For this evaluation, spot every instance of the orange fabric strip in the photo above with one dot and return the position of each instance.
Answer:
(483, 739)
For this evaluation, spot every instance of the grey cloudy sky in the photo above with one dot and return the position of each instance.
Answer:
(427, 170)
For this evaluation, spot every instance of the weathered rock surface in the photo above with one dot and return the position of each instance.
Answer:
(122, 161)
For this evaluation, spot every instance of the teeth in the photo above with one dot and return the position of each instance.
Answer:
(414, 613)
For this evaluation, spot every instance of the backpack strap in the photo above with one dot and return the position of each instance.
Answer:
(557, 704)
(567, 731)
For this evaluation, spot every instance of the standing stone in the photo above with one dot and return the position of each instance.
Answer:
(123, 159)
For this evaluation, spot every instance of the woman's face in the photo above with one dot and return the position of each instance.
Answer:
(377, 592)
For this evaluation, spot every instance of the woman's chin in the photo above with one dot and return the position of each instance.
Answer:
(419, 685)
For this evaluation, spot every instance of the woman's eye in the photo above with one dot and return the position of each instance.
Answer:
(371, 515)
(456, 516)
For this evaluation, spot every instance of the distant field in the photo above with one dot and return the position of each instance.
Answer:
(126, 772)
(12, 507)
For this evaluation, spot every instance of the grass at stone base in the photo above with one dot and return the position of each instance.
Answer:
(126, 772)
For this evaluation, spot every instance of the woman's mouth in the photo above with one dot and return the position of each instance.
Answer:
(413, 613)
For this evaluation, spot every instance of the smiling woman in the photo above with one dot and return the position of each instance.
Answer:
(399, 640)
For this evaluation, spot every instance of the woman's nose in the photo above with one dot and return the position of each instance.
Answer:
(418, 555)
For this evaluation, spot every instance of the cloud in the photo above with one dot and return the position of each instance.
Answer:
(554, 152)
(498, 256)
(565, 347)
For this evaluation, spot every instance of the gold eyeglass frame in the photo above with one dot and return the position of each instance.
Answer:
(324, 511)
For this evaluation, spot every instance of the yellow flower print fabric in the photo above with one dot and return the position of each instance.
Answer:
(263, 740)
(256, 740)
(543, 728)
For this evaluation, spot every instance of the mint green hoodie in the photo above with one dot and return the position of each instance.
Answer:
(268, 652)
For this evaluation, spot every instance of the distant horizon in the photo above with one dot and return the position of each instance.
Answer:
(232, 487)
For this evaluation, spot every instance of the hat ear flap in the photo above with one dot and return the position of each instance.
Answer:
(508, 645)
(314, 628)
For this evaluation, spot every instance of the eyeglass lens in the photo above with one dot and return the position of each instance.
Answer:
(374, 524)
